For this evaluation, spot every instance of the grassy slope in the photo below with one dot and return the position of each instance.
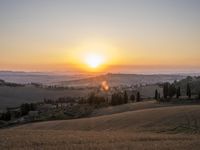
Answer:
(128, 107)
(127, 130)
(147, 119)
(15, 96)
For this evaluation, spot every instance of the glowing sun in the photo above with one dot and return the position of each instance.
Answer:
(94, 60)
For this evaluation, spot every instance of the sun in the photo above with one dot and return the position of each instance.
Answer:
(94, 60)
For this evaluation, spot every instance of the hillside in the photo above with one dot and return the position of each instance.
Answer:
(15, 96)
(122, 79)
(128, 107)
(46, 78)
(146, 127)
(140, 129)
(165, 118)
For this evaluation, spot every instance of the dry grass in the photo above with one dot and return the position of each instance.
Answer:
(122, 131)
(93, 140)
(129, 107)
(157, 119)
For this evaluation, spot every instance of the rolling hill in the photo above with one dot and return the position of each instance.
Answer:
(15, 96)
(122, 79)
(158, 119)
(146, 127)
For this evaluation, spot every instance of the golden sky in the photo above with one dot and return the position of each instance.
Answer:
(62, 35)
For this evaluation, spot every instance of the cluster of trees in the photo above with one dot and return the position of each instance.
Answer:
(4, 83)
(119, 98)
(24, 109)
(5, 116)
(122, 98)
(137, 98)
(59, 100)
(94, 99)
(171, 90)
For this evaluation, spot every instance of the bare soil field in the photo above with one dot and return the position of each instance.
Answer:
(168, 128)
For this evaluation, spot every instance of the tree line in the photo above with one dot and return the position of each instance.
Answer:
(116, 98)
(170, 91)
(24, 110)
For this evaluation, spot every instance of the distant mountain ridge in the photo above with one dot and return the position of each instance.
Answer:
(21, 77)
(46, 78)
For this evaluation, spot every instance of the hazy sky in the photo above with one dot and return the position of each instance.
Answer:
(56, 35)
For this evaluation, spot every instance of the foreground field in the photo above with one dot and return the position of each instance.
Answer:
(156, 119)
(166, 128)
(93, 140)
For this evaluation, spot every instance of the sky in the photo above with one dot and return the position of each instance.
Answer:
(58, 35)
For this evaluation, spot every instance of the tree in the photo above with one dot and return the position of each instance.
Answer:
(6, 116)
(132, 97)
(91, 98)
(156, 94)
(117, 99)
(178, 92)
(138, 97)
(125, 97)
(94, 99)
(188, 91)
(32, 107)
(165, 90)
(171, 90)
(25, 108)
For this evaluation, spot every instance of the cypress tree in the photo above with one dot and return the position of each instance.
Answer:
(165, 90)
(138, 96)
(156, 94)
(125, 97)
(178, 92)
(132, 97)
(188, 91)
(171, 90)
